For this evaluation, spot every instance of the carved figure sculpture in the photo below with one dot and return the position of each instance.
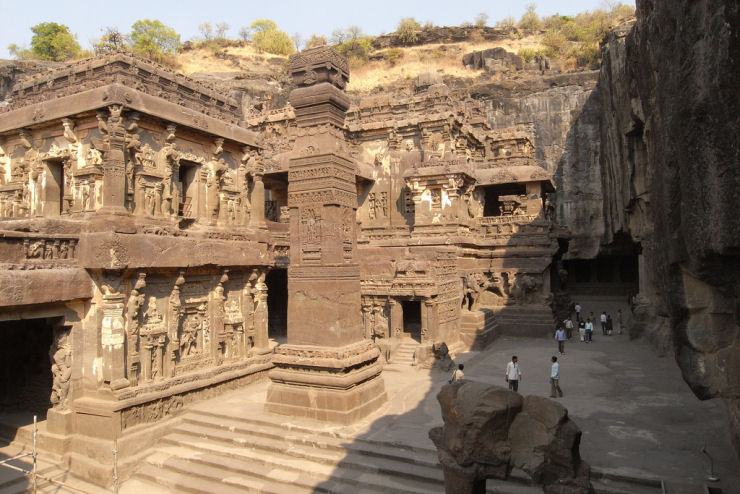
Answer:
(36, 250)
(135, 302)
(152, 314)
(61, 369)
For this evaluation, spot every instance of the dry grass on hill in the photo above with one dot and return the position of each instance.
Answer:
(233, 59)
(445, 58)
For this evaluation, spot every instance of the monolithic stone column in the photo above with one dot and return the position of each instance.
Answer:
(327, 370)
(112, 340)
(257, 214)
(260, 311)
(114, 166)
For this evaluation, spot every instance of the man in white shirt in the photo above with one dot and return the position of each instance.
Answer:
(603, 323)
(578, 311)
(568, 326)
(555, 390)
(513, 374)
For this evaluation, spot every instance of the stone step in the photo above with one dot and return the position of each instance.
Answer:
(180, 476)
(276, 476)
(321, 450)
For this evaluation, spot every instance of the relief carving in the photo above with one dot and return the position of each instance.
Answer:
(61, 367)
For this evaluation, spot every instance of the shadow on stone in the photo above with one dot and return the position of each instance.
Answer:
(489, 430)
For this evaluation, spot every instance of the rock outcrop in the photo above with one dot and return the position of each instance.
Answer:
(489, 430)
(670, 175)
(494, 59)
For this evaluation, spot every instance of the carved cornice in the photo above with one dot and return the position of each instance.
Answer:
(131, 71)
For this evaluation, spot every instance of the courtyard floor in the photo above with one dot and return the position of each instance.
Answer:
(638, 417)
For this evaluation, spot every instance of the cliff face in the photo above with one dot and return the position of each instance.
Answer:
(565, 110)
(669, 144)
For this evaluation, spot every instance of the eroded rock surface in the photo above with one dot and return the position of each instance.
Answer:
(489, 430)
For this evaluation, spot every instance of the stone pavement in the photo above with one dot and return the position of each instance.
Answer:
(638, 417)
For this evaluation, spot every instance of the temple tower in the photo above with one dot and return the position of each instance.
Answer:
(327, 370)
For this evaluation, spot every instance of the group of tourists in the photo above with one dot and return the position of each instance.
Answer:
(564, 332)
(513, 376)
(586, 327)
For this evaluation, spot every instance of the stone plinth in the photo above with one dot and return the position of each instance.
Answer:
(339, 385)
(326, 371)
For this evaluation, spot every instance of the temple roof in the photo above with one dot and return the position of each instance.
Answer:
(128, 80)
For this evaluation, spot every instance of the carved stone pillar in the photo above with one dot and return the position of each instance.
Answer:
(396, 318)
(112, 339)
(217, 319)
(429, 321)
(257, 214)
(327, 370)
(114, 166)
(367, 322)
(248, 310)
(260, 312)
(146, 359)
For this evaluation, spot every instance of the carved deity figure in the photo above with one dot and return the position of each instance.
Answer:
(149, 201)
(152, 316)
(86, 196)
(474, 284)
(189, 336)
(61, 369)
(36, 250)
(135, 302)
(213, 189)
(4, 162)
(94, 157)
(525, 288)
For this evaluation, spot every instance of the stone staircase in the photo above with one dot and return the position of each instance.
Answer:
(525, 321)
(404, 354)
(211, 452)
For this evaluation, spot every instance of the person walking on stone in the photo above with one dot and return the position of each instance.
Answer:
(619, 321)
(582, 330)
(513, 374)
(568, 327)
(578, 311)
(603, 323)
(589, 330)
(609, 324)
(560, 336)
(555, 391)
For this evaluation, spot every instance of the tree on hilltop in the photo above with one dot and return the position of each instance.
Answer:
(153, 39)
(267, 37)
(50, 41)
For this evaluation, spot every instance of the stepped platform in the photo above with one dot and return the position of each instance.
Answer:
(626, 401)
(533, 322)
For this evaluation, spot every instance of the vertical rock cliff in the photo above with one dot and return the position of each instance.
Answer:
(670, 172)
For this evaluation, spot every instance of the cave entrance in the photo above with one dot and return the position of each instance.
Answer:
(277, 305)
(613, 273)
(412, 319)
(25, 371)
(493, 193)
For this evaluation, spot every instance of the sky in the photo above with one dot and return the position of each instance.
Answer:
(87, 18)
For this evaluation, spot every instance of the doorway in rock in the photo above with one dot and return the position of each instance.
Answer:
(188, 178)
(25, 371)
(412, 319)
(277, 305)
